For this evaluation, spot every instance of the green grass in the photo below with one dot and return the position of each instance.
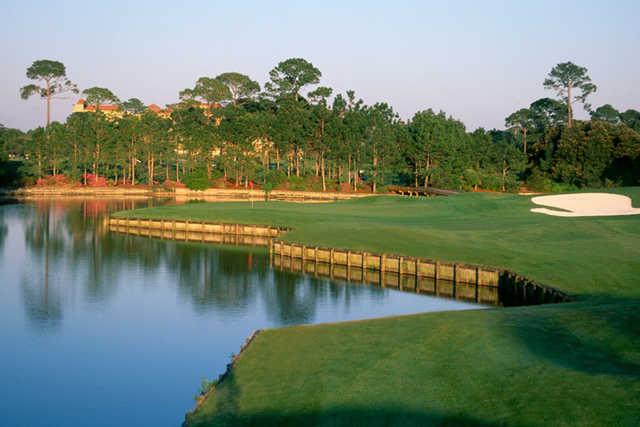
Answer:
(566, 364)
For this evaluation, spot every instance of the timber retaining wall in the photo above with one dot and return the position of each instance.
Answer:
(477, 283)
(469, 282)
(196, 231)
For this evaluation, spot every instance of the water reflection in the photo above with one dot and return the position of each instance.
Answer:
(42, 300)
(4, 229)
(70, 239)
(120, 329)
(65, 242)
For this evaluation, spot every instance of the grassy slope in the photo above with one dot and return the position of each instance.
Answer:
(575, 363)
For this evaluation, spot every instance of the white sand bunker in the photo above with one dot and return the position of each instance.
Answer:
(585, 204)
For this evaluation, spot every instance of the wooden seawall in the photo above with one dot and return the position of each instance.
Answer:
(481, 284)
(477, 283)
(196, 231)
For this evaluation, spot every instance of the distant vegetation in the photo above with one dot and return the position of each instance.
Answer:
(298, 135)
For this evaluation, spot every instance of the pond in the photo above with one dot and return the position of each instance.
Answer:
(98, 328)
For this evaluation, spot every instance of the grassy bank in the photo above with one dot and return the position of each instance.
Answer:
(576, 363)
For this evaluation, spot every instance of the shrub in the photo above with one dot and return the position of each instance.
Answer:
(197, 180)
(55, 180)
(94, 181)
(274, 177)
(538, 181)
(317, 186)
(205, 386)
(472, 179)
(491, 181)
(297, 183)
(381, 189)
(559, 187)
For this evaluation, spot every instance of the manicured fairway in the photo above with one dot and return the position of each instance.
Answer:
(566, 364)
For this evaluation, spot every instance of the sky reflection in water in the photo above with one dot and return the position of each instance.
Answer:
(98, 328)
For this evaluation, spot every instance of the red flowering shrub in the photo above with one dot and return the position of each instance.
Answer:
(94, 181)
(53, 180)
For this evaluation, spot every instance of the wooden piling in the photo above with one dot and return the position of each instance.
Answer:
(282, 255)
(455, 267)
(271, 253)
(477, 284)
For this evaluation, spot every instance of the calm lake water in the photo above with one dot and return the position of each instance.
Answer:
(104, 329)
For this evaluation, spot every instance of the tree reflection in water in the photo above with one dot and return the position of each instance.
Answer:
(4, 228)
(69, 242)
(134, 323)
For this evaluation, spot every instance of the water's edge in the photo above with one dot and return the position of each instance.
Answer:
(470, 282)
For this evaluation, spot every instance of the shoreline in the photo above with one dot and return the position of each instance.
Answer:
(544, 343)
(467, 281)
(182, 194)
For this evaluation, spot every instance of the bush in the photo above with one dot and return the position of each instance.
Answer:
(538, 181)
(297, 183)
(317, 186)
(94, 181)
(381, 189)
(472, 179)
(197, 180)
(559, 187)
(58, 180)
(205, 386)
(274, 177)
(491, 181)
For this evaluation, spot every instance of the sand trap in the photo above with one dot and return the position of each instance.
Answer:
(585, 204)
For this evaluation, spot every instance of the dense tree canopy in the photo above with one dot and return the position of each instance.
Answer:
(298, 135)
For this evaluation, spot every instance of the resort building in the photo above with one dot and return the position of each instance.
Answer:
(111, 111)
(162, 112)
(115, 112)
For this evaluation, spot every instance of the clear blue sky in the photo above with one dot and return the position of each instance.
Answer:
(477, 60)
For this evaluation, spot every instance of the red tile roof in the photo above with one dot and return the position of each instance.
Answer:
(102, 107)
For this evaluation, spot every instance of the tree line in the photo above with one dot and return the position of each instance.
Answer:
(227, 130)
